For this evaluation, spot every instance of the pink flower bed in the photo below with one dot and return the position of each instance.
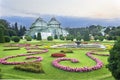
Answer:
(4, 60)
(98, 65)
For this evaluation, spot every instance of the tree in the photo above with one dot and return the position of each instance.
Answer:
(34, 37)
(55, 37)
(16, 29)
(22, 30)
(96, 37)
(39, 36)
(69, 37)
(4, 23)
(107, 30)
(78, 37)
(86, 36)
(4, 29)
(1, 36)
(101, 38)
(114, 60)
(12, 32)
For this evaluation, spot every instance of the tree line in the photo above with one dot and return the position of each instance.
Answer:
(92, 32)
(96, 32)
(7, 30)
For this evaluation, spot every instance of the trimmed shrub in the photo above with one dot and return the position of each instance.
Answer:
(9, 49)
(7, 38)
(49, 38)
(58, 55)
(67, 51)
(28, 38)
(62, 38)
(15, 38)
(101, 38)
(35, 67)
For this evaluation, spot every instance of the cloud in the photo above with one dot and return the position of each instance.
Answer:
(77, 8)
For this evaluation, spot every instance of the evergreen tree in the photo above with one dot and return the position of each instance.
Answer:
(4, 23)
(39, 36)
(86, 36)
(24, 29)
(114, 60)
(55, 37)
(1, 36)
(107, 30)
(16, 29)
(20, 31)
(35, 37)
(12, 32)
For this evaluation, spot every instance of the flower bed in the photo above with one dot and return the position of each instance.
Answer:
(98, 65)
(58, 55)
(4, 60)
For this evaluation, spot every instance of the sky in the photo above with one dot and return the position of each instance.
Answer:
(108, 10)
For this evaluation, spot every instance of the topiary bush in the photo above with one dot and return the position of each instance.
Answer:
(58, 55)
(28, 38)
(62, 37)
(66, 51)
(35, 67)
(15, 38)
(114, 60)
(11, 48)
(49, 38)
(7, 38)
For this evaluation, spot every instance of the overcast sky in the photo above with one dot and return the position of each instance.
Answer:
(77, 8)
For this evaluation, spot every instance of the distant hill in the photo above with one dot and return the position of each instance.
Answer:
(66, 21)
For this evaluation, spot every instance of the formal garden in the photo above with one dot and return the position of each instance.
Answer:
(84, 54)
(38, 60)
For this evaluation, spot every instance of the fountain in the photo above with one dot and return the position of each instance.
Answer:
(78, 43)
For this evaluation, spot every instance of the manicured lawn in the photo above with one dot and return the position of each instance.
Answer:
(54, 73)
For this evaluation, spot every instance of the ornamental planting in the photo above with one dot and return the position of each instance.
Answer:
(56, 63)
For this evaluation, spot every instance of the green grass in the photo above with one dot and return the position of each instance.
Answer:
(52, 73)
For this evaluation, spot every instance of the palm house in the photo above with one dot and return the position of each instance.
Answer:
(52, 28)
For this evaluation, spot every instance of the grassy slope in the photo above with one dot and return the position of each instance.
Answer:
(52, 72)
